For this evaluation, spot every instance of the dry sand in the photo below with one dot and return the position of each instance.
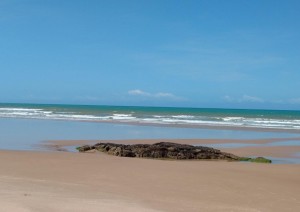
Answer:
(62, 181)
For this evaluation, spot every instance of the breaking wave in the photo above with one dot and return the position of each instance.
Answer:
(149, 118)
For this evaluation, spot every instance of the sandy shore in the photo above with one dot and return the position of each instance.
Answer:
(62, 181)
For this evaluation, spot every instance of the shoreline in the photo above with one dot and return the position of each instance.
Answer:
(174, 125)
(56, 180)
(270, 151)
(204, 126)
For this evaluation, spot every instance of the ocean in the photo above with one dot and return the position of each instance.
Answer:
(168, 116)
(27, 126)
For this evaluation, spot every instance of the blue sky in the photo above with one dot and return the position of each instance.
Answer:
(233, 54)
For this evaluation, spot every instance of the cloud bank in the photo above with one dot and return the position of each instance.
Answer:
(159, 95)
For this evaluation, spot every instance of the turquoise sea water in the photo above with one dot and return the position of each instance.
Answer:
(185, 117)
(24, 126)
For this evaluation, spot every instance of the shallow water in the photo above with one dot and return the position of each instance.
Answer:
(284, 160)
(25, 134)
(239, 145)
(275, 160)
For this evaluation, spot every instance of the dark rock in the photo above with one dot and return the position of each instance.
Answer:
(85, 148)
(255, 160)
(161, 150)
(260, 160)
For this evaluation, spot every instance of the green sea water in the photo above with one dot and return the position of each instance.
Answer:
(266, 119)
(26, 126)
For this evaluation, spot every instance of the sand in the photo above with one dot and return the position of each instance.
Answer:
(63, 181)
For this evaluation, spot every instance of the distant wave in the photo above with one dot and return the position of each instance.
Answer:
(149, 118)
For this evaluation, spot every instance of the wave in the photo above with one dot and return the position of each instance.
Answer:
(183, 117)
(19, 109)
(165, 119)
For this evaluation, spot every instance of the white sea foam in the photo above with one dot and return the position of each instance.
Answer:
(157, 116)
(183, 116)
(182, 119)
(19, 109)
(233, 118)
(79, 117)
(123, 117)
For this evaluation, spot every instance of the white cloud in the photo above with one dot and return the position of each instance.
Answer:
(159, 95)
(138, 92)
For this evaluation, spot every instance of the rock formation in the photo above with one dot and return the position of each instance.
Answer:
(161, 150)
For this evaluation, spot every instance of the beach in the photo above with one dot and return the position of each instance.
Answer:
(42, 171)
(149, 106)
(62, 181)
(69, 181)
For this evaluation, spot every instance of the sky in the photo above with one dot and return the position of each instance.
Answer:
(179, 53)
